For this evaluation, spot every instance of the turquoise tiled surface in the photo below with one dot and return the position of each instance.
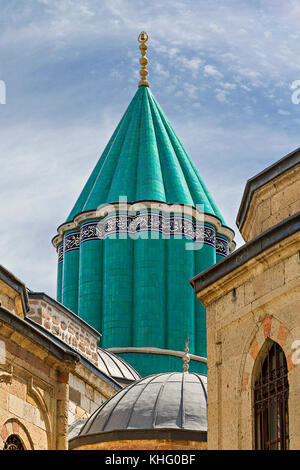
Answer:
(137, 292)
(91, 283)
(144, 159)
(59, 281)
(118, 292)
(70, 280)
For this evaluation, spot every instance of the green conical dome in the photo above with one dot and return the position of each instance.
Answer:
(144, 160)
(135, 289)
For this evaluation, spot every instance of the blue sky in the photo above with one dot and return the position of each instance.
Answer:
(221, 70)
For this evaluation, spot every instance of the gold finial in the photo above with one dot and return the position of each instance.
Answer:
(143, 38)
(186, 357)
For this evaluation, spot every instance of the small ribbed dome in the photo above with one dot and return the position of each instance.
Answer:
(116, 367)
(162, 401)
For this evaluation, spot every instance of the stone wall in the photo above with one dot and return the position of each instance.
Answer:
(146, 444)
(273, 202)
(39, 401)
(87, 391)
(66, 326)
(258, 300)
(44, 384)
(84, 398)
(27, 403)
(10, 299)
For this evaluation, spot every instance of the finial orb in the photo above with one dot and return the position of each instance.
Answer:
(143, 37)
(186, 357)
(144, 61)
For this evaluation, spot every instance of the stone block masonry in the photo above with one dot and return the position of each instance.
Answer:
(65, 325)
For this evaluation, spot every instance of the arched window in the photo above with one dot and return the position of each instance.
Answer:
(13, 442)
(271, 391)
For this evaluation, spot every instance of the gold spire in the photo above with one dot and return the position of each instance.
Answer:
(143, 38)
(186, 357)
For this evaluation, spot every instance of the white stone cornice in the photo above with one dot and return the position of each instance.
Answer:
(134, 207)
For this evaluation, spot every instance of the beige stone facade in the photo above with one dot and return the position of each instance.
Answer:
(252, 298)
(259, 301)
(45, 383)
(272, 203)
(270, 197)
(62, 323)
(32, 386)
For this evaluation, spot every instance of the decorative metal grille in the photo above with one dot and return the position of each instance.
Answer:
(271, 392)
(13, 443)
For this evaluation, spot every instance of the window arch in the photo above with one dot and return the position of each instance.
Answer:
(271, 391)
(13, 442)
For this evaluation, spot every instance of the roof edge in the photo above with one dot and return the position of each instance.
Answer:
(38, 336)
(19, 286)
(265, 176)
(67, 311)
(254, 247)
(81, 359)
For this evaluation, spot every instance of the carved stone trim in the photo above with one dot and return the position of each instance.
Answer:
(71, 241)
(148, 222)
(166, 208)
(222, 246)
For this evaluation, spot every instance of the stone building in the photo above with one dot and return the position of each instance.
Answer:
(128, 247)
(123, 283)
(52, 372)
(252, 300)
(123, 272)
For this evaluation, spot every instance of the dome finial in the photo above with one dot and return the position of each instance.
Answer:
(186, 357)
(143, 38)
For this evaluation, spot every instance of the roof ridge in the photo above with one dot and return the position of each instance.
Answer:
(97, 168)
(154, 415)
(158, 152)
(172, 135)
(144, 160)
(139, 139)
(174, 168)
(121, 132)
(126, 152)
(125, 364)
(137, 397)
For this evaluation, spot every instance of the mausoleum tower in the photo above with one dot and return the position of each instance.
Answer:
(142, 227)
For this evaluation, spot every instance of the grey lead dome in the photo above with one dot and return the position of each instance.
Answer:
(162, 401)
(116, 367)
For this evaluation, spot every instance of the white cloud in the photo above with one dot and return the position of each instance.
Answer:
(283, 112)
(192, 64)
(211, 70)
(245, 87)
(190, 90)
(70, 52)
(222, 96)
(229, 86)
(215, 28)
(161, 71)
(37, 191)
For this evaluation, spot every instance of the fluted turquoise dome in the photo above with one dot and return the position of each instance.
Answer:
(125, 269)
(144, 160)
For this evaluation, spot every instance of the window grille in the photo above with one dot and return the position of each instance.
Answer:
(271, 391)
(13, 443)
